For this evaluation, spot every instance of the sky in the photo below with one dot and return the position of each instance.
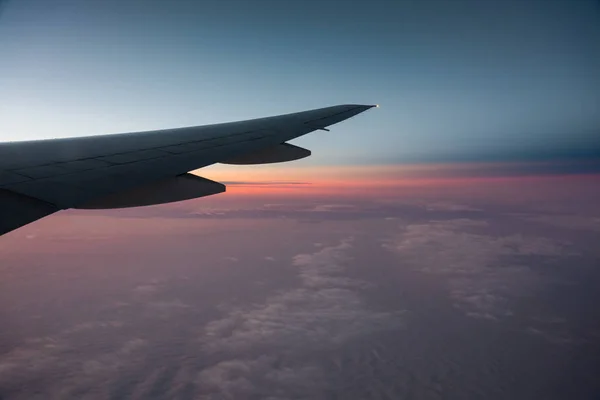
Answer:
(441, 245)
(474, 81)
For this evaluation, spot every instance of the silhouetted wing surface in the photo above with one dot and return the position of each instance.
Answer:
(40, 177)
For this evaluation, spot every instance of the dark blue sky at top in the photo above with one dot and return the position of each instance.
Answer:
(456, 80)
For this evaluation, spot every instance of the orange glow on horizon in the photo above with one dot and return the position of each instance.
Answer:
(288, 180)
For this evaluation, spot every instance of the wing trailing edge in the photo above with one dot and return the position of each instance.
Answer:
(17, 210)
(178, 188)
(275, 154)
(40, 177)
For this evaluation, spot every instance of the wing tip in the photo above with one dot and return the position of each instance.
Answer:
(363, 107)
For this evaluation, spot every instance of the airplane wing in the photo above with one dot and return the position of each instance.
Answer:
(38, 178)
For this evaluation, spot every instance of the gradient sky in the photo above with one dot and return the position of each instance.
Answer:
(457, 81)
(444, 244)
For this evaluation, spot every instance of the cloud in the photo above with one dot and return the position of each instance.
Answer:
(67, 372)
(166, 309)
(334, 207)
(483, 271)
(96, 325)
(98, 358)
(113, 360)
(578, 222)
(145, 289)
(260, 347)
(445, 206)
(304, 211)
(262, 377)
(552, 336)
(94, 357)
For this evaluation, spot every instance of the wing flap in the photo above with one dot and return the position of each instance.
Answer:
(71, 190)
(182, 187)
(281, 153)
(17, 210)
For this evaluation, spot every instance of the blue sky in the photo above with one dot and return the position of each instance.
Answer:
(456, 80)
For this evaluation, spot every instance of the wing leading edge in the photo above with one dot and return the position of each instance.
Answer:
(38, 178)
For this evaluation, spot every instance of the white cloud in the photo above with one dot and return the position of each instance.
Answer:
(147, 288)
(67, 371)
(324, 312)
(445, 206)
(569, 221)
(334, 207)
(482, 270)
(552, 336)
(113, 360)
